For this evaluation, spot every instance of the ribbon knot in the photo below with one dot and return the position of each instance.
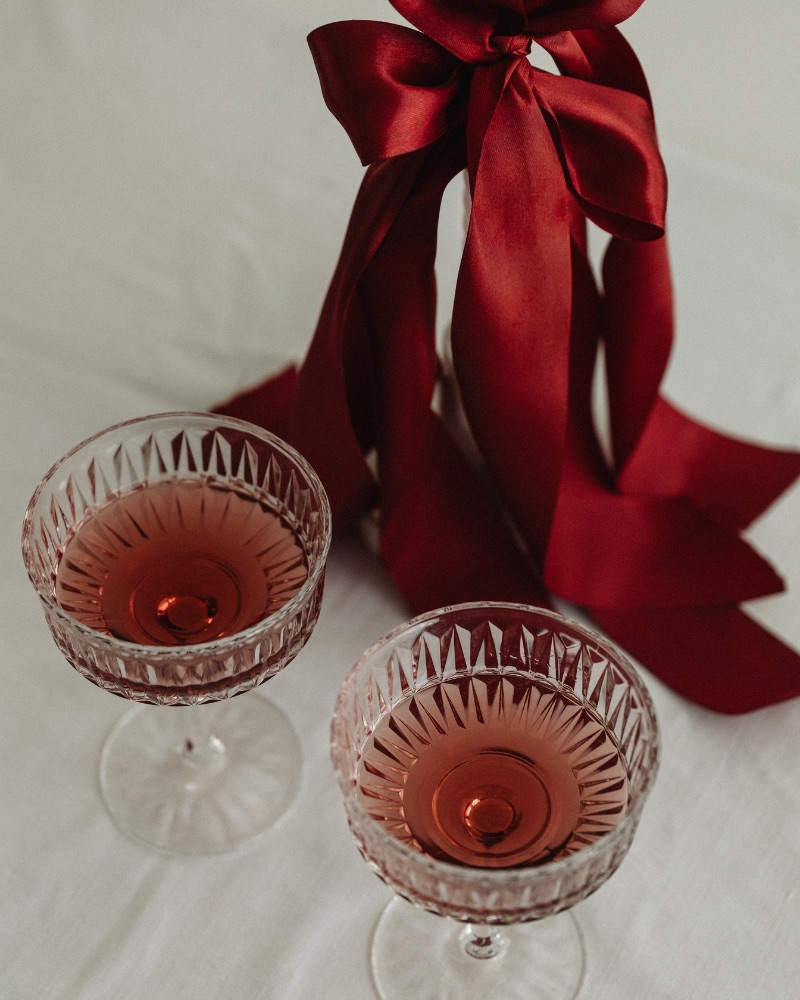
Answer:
(512, 45)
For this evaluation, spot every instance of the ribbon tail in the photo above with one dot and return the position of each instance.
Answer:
(268, 405)
(732, 481)
(326, 409)
(619, 550)
(446, 542)
(398, 296)
(718, 657)
(333, 421)
(510, 331)
(638, 335)
(443, 537)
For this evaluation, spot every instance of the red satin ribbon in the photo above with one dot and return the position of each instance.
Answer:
(649, 543)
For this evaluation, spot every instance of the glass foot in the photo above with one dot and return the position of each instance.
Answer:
(202, 779)
(421, 955)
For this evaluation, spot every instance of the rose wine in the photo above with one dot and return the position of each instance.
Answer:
(178, 562)
(493, 769)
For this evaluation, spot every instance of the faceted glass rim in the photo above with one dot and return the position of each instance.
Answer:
(486, 877)
(190, 650)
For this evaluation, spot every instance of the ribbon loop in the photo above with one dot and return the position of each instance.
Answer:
(607, 143)
(392, 89)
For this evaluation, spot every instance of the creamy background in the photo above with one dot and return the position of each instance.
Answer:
(173, 194)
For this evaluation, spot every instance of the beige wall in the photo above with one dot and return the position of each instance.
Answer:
(725, 80)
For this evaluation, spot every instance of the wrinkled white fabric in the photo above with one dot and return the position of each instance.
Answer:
(173, 194)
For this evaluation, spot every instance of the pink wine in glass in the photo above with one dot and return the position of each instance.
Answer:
(178, 562)
(494, 769)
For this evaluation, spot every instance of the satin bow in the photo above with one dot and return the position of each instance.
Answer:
(646, 539)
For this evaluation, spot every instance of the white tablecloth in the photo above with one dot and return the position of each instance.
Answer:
(173, 194)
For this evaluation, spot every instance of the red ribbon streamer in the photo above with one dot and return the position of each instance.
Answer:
(649, 543)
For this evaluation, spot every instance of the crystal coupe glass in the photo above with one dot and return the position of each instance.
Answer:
(494, 760)
(180, 559)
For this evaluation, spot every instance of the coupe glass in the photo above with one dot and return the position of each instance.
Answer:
(180, 559)
(494, 760)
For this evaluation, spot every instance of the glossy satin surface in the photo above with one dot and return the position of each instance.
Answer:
(650, 540)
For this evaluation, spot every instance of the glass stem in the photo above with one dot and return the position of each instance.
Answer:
(201, 747)
(483, 941)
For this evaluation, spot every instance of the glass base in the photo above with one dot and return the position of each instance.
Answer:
(202, 779)
(421, 955)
